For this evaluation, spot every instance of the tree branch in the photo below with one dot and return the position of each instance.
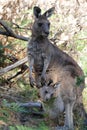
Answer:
(18, 63)
(9, 32)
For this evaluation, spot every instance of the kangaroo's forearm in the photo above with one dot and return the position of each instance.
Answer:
(46, 64)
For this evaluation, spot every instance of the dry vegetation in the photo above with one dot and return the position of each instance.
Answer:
(68, 31)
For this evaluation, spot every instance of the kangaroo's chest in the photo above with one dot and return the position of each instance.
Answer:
(37, 52)
(38, 59)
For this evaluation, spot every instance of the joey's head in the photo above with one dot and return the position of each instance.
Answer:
(48, 92)
(41, 24)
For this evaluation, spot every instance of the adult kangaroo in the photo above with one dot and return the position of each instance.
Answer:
(52, 64)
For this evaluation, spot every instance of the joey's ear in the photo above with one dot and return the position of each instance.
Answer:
(57, 85)
(50, 82)
(49, 12)
(37, 11)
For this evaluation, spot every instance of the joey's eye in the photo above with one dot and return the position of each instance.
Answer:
(46, 92)
(40, 24)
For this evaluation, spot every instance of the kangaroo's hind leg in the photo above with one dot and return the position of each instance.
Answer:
(69, 115)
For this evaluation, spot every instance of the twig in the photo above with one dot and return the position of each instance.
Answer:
(17, 74)
(78, 2)
(7, 96)
(83, 38)
(8, 68)
(17, 26)
(9, 32)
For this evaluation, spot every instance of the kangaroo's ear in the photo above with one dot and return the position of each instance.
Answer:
(37, 11)
(49, 12)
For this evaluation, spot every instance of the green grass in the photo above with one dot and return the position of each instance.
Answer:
(41, 126)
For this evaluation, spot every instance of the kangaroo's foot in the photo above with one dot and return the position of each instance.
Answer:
(61, 128)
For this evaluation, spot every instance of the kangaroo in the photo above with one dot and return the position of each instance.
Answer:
(38, 47)
(60, 98)
(49, 63)
(45, 59)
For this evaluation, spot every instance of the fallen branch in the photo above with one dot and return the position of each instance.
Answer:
(39, 108)
(31, 104)
(18, 63)
(23, 67)
(35, 108)
(9, 32)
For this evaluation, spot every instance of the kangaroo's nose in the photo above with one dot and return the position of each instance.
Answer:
(46, 32)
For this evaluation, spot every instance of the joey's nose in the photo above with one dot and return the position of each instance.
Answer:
(52, 95)
(47, 99)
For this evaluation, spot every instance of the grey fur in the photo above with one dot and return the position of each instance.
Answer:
(62, 99)
(50, 63)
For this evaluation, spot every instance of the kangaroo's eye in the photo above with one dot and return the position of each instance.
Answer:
(40, 24)
(48, 24)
